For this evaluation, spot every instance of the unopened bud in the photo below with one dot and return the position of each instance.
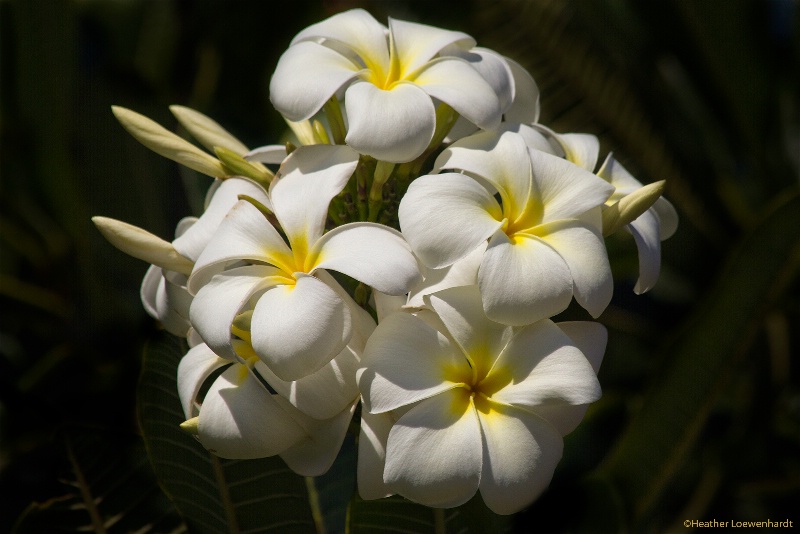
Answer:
(631, 206)
(191, 426)
(167, 144)
(238, 166)
(207, 130)
(143, 245)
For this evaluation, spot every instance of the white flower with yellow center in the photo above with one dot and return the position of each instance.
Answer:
(299, 321)
(388, 79)
(455, 403)
(544, 241)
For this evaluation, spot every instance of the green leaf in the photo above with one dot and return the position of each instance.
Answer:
(109, 488)
(715, 338)
(213, 495)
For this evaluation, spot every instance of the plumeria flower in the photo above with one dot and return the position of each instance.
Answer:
(544, 241)
(656, 224)
(238, 417)
(455, 403)
(388, 80)
(299, 322)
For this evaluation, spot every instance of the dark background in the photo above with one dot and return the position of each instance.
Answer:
(702, 94)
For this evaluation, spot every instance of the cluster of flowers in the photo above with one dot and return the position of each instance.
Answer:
(421, 178)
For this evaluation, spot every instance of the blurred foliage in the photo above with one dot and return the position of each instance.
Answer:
(702, 375)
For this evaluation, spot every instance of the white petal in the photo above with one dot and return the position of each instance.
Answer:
(306, 76)
(363, 323)
(314, 455)
(173, 304)
(501, 159)
(464, 272)
(581, 149)
(372, 455)
(324, 393)
(270, 154)
(457, 83)
(433, 454)
(240, 419)
(525, 108)
(151, 288)
(303, 188)
(532, 136)
(520, 455)
(194, 368)
(541, 365)
(298, 329)
(192, 242)
(524, 281)
(590, 338)
(495, 70)
(356, 29)
(371, 253)
(386, 305)
(667, 217)
(461, 311)
(406, 360)
(244, 234)
(415, 44)
(446, 216)
(392, 125)
(565, 189)
(218, 302)
(585, 253)
(645, 230)
(614, 173)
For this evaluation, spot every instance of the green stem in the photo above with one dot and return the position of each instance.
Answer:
(383, 170)
(438, 521)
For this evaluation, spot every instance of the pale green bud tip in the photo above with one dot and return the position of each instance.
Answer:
(143, 245)
(631, 206)
(207, 130)
(167, 144)
(191, 426)
(238, 166)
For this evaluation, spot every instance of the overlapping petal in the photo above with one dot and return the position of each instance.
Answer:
(415, 44)
(240, 419)
(520, 455)
(223, 297)
(306, 76)
(298, 329)
(301, 192)
(455, 82)
(392, 125)
(314, 455)
(194, 368)
(421, 463)
(355, 28)
(405, 361)
(244, 234)
(523, 281)
(541, 366)
(645, 231)
(374, 254)
(446, 216)
(585, 254)
(501, 159)
(372, 455)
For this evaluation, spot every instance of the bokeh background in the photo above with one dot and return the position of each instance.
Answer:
(700, 417)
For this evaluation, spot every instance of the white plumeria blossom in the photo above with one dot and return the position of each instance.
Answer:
(544, 241)
(163, 293)
(455, 403)
(240, 418)
(299, 322)
(389, 79)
